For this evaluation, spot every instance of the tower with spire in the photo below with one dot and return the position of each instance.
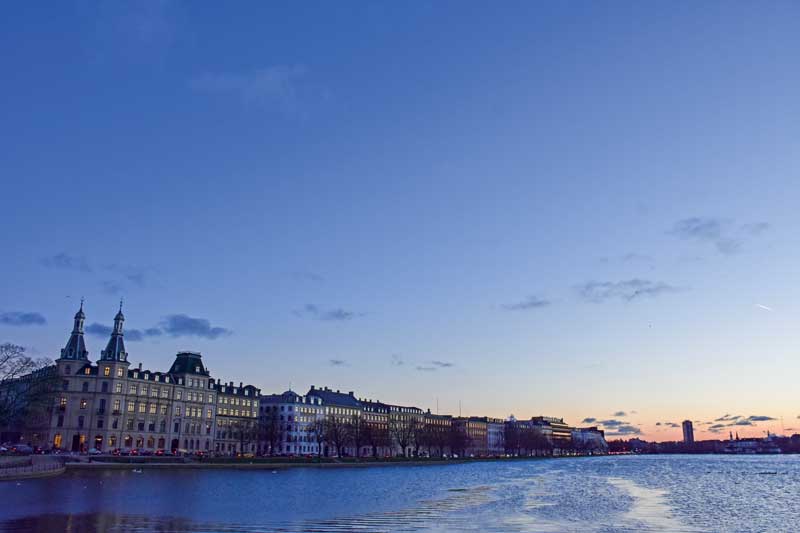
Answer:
(75, 350)
(115, 349)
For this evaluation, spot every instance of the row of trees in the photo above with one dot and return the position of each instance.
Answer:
(27, 389)
(354, 435)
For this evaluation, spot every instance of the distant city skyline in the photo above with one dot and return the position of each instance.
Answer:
(573, 210)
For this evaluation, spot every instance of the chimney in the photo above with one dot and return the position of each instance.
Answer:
(350, 393)
(312, 387)
(240, 384)
(140, 366)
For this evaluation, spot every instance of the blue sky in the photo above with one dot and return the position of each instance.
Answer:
(572, 209)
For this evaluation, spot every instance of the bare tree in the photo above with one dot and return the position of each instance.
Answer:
(317, 431)
(357, 432)
(27, 388)
(458, 440)
(376, 436)
(403, 431)
(269, 429)
(336, 433)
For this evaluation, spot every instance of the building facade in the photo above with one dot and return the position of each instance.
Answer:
(289, 423)
(108, 405)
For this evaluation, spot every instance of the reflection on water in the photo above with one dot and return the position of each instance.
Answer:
(604, 494)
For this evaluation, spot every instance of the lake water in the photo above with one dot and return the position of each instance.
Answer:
(667, 493)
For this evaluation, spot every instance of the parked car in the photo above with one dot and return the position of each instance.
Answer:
(21, 449)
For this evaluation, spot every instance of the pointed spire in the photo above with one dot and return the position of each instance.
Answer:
(76, 347)
(115, 349)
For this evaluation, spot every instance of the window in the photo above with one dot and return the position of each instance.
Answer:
(65, 385)
(119, 372)
(60, 422)
(87, 370)
(164, 392)
(153, 408)
(154, 392)
(107, 371)
(131, 389)
(85, 386)
(99, 423)
(163, 409)
(162, 427)
(210, 399)
(115, 423)
(151, 426)
(208, 413)
(177, 410)
(131, 406)
(141, 425)
(83, 403)
(129, 424)
(178, 395)
(197, 369)
(104, 386)
(57, 440)
(80, 421)
(118, 387)
(116, 406)
(143, 390)
(142, 407)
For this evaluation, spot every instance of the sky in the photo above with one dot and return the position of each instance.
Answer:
(585, 210)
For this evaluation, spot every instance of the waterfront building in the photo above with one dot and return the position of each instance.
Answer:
(339, 410)
(589, 440)
(495, 436)
(688, 432)
(288, 423)
(237, 418)
(107, 405)
(476, 432)
(556, 431)
(438, 429)
(405, 425)
(376, 417)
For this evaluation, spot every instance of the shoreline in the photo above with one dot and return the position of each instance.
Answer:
(278, 465)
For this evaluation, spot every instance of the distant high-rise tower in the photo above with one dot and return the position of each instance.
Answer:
(688, 432)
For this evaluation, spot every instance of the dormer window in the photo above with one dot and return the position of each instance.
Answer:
(87, 371)
(135, 374)
(197, 369)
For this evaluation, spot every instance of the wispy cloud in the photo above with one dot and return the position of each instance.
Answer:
(335, 315)
(531, 302)
(132, 334)
(422, 368)
(22, 318)
(397, 360)
(337, 362)
(628, 290)
(620, 413)
(275, 87)
(65, 261)
(589, 420)
(725, 235)
(181, 325)
(442, 364)
(764, 307)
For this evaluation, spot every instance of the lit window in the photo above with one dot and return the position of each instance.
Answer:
(117, 387)
(107, 371)
(87, 370)
(83, 403)
(119, 372)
